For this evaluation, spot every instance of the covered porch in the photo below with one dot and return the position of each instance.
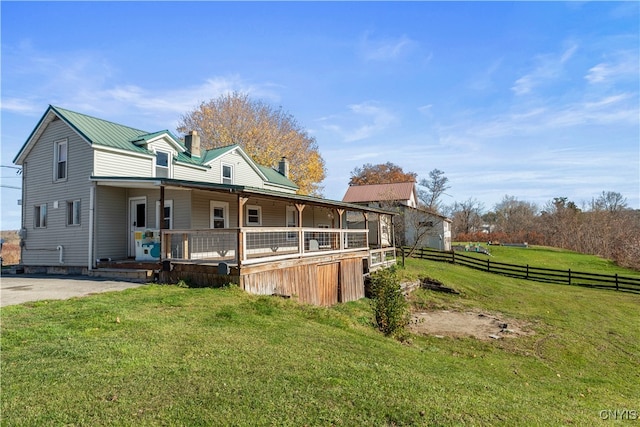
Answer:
(266, 242)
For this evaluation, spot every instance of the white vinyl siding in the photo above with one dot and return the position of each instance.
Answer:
(111, 163)
(243, 173)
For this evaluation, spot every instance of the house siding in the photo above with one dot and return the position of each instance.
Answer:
(111, 223)
(40, 188)
(243, 173)
(109, 163)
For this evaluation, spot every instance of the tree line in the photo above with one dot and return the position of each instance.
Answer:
(605, 226)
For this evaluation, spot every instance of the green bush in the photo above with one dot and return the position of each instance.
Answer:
(390, 307)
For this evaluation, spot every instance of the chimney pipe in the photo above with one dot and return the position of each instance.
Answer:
(283, 167)
(192, 142)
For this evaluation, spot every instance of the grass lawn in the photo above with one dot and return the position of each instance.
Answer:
(165, 355)
(548, 257)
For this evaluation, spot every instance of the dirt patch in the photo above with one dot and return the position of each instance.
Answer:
(482, 326)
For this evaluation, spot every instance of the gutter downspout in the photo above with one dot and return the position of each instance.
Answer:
(61, 249)
(92, 196)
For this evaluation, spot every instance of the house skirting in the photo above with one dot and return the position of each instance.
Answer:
(323, 280)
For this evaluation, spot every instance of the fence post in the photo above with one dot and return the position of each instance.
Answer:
(453, 257)
(617, 289)
(527, 276)
(569, 276)
(488, 264)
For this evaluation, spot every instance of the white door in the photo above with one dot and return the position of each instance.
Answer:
(137, 221)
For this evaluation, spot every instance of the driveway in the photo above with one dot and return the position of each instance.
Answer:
(17, 289)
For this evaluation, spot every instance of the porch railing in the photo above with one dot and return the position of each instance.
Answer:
(382, 258)
(258, 244)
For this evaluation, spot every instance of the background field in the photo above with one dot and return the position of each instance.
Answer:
(177, 356)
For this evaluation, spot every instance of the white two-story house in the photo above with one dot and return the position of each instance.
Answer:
(95, 191)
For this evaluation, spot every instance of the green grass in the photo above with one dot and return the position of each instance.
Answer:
(183, 356)
(548, 257)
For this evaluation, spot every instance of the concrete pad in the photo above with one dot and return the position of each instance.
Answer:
(18, 289)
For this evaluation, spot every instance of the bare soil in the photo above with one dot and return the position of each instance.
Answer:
(483, 326)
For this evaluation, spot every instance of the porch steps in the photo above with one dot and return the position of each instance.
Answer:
(127, 274)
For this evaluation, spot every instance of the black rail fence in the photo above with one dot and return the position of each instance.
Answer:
(566, 277)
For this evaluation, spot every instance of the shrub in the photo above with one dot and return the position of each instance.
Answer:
(390, 307)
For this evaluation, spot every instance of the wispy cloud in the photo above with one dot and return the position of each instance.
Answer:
(622, 65)
(362, 121)
(386, 48)
(90, 83)
(547, 67)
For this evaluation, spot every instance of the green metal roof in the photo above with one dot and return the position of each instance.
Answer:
(274, 177)
(108, 134)
(102, 132)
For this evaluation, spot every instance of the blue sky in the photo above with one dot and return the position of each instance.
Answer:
(534, 100)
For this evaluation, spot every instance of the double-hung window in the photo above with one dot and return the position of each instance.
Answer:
(162, 164)
(60, 155)
(227, 174)
(254, 215)
(40, 216)
(219, 214)
(73, 212)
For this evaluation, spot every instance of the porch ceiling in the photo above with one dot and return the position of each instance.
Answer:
(156, 183)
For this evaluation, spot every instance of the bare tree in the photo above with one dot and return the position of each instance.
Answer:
(467, 216)
(436, 186)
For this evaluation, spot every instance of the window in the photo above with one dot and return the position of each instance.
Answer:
(60, 160)
(167, 215)
(219, 214)
(73, 212)
(227, 174)
(254, 215)
(40, 216)
(162, 164)
(292, 221)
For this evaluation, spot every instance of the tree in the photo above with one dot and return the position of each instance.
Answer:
(467, 216)
(383, 173)
(265, 133)
(514, 216)
(436, 186)
(609, 201)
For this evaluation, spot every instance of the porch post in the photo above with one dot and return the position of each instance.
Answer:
(161, 219)
(300, 207)
(241, 202)
(340, 225)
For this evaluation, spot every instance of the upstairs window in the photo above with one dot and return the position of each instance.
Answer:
(60, 160)
(73, 212)
(40, 216)
(227, 174)
(162, 164)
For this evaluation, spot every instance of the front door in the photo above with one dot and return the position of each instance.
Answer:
(137, 221)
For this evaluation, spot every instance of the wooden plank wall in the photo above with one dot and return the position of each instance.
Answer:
(351, 280)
